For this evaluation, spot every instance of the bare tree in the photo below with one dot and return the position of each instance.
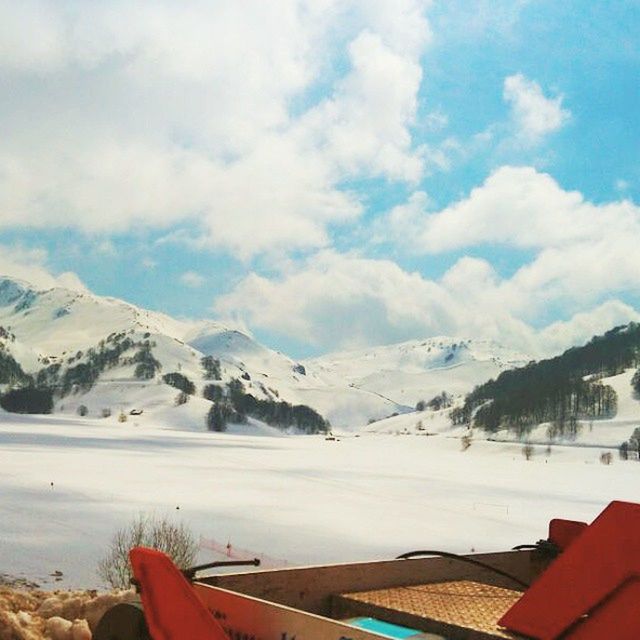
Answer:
(606, 457)
(176, 540)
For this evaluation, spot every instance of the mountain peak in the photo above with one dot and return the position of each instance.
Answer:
(71, 329)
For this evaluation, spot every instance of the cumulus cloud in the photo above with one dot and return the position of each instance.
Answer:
(364, 128)
(534, 115)
(580, 256)
(44, 49)
(202, 114)
(192, 279)
(583, 326)
(30, 265)
(579, 252)
(515, 206)
(403, 225)
(341, 300)
(336, 301)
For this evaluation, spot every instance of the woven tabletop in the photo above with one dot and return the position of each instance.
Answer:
(465, 604)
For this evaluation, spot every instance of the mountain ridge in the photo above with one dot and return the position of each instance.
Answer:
(63, 329)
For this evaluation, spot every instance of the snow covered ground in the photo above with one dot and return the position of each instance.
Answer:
(304, 499)
(606, 434)
(67, 483)
(419, 369)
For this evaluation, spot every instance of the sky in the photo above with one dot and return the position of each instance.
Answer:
(330, 174)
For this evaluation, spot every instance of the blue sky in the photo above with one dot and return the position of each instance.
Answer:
(330, 174)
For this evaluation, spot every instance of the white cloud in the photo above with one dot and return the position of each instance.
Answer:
(581, 253)
(577, 275)
(402, 25)
(165, 114)
(581, 256)
(341, 300)
(336, 301)
(44, 49)
(582, 326)
(517, 207)
(30, 265)
(192, 279)
(403, 225)
(364, 128)
(533, 114)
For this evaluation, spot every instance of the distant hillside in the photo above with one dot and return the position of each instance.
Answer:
(560, 390)
(103, 356)
(418, 370)
(10, 370)
(99, 354)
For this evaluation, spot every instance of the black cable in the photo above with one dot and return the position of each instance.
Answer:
(467, 559)
(547, 547)
(191, 571)
(525, 547)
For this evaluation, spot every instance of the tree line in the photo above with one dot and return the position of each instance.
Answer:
(35, 393)
(559, 390)
(234, 405)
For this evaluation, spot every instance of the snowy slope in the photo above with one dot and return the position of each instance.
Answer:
(420, 369)
(59, 321)
(601, 433)
(349, 389)
(59, 326)
(418, 423)
(28, 358)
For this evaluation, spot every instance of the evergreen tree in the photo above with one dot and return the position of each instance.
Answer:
(222, 413)
(180, 382)
(441, 401)
(213, 392)
(10, 371)
(635, 382)
(276, 413)
(146, 364)
(181, 398)
(561, 390)
(27, 400)
(211, 368)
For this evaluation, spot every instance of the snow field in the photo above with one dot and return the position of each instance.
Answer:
(304, 499)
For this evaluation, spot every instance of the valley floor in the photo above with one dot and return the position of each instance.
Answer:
(66, 484)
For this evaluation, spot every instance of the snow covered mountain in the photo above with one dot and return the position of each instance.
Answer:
(420, 369)
(52, 331)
